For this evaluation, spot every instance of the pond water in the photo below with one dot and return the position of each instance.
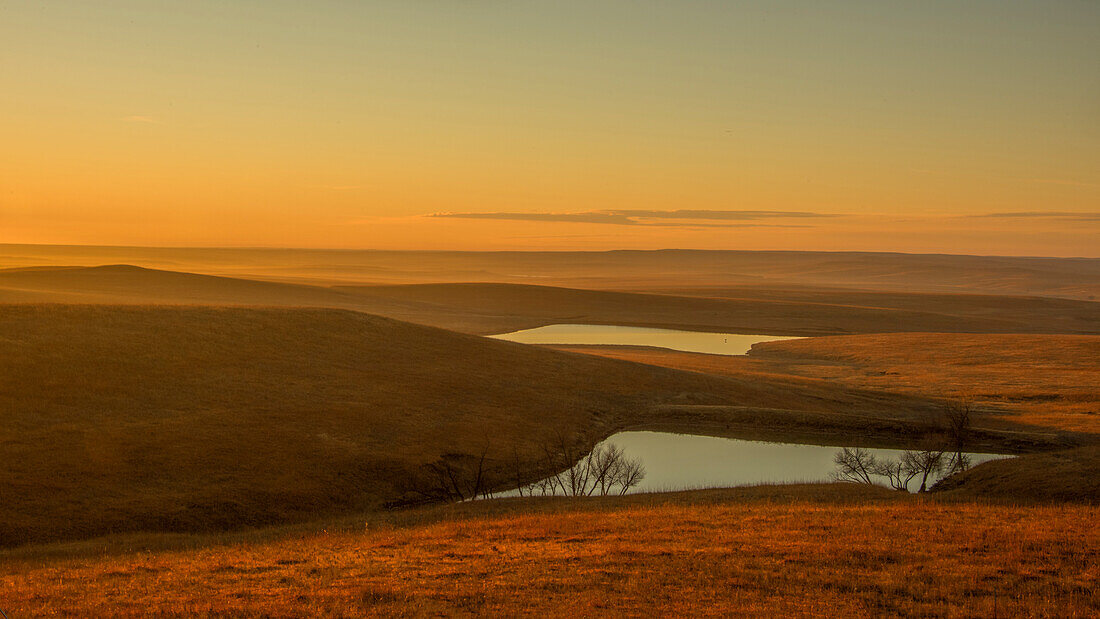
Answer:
(683, 461)
(611, 335)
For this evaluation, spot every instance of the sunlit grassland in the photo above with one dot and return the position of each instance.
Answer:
(701, 553)
(1041, 381)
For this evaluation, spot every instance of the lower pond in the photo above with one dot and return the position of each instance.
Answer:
(682, 461)
(611, 335)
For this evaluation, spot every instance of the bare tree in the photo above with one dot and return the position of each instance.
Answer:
(520, 473)
(855, 465)
(957, 463)
(604, 464)
(604, 470)
(925, 463)
(957, 419)
(458, 477)
(573, 471)
(897, 472)
(630, 473)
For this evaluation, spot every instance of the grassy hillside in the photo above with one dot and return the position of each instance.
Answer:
(1064, 476)
(1039, 313)
(1015, 380)
(1044, 380)
(831, 550)
(495, 308)
(190, 418)
(842, 312)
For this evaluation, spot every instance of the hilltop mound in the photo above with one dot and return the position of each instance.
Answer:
(1063, 476)
(123, 283)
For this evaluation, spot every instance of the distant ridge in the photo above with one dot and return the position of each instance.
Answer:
(1074, 278)
(485, 308)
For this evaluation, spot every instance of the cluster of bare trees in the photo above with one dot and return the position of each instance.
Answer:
(942, 456)
(457, 477)
(861, 466)
(564, 469)
(605, 470)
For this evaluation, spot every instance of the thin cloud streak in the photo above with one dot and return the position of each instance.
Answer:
(677, 218)
(1062, 215)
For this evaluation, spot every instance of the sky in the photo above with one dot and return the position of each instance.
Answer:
(932, 126)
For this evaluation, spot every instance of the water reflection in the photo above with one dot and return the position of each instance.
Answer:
(610, 335)
(682, 461)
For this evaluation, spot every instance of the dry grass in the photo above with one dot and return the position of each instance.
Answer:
(1041, 381)
(672, 555)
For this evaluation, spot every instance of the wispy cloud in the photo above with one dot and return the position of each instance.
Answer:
(1062, 215)
(592, 217)
(677, 218)
(1060, 181)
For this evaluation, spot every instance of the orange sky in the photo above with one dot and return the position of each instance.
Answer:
(897, 126)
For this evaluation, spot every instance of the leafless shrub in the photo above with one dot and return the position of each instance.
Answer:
(860, 466)
(457, 477)
(855, 465)
(957, 419)
(897, 472)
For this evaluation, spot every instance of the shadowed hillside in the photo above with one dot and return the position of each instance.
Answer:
(1064, 476)
(184, 418)
(544, 305)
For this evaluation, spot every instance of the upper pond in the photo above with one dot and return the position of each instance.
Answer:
(683, 461)
(610, 335)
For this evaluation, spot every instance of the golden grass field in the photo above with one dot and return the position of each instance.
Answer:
(830, 550)
(1043, 381)
(184, 444)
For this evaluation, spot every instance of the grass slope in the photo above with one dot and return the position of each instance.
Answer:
(1065, 476)
(1020, 381)
(1042, 380)
(830, 550)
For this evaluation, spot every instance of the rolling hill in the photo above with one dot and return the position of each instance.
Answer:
(176, 418)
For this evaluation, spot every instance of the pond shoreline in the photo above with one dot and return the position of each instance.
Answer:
(836, 429)
(584, 334)
(671, 461)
